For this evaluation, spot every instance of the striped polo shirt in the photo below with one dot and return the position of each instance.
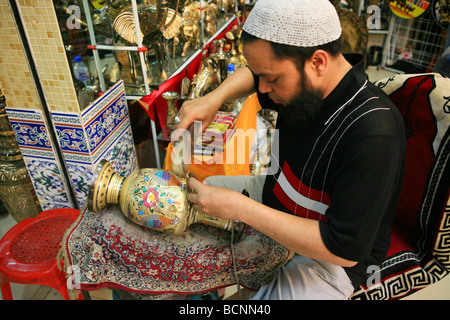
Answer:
(345, 171)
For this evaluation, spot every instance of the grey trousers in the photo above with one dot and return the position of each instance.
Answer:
(301, 278)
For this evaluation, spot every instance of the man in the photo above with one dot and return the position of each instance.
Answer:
(333, 193)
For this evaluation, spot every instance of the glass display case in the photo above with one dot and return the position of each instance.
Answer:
(142, 42)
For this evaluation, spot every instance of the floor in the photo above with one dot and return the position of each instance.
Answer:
(437, 291)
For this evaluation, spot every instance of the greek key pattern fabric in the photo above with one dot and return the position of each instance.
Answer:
(409, 270)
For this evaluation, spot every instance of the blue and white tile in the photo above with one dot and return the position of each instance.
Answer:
(81, 175)
(39, 156)
(102, 131)
(105, 120)
(74, 146)
(121, 153)
(71, 134)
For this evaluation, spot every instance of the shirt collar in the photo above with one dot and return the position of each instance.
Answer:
(346, 89)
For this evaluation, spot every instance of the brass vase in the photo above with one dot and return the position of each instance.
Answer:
(9, 149)
(171, 98)
(152, 198)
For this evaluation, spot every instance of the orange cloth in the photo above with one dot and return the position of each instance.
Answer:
(218, 165)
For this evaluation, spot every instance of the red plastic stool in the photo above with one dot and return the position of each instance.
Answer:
(28, 251)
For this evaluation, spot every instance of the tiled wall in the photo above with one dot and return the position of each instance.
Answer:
(39, 155)
(15, 76)
(42, 30)
(25, 112)
(101, 131)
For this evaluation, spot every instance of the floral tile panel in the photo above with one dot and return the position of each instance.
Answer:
(121, 153)
(74, 146)
(102, 131)
(105, 119)
(81, 167)
(39, 156)
(108, 131)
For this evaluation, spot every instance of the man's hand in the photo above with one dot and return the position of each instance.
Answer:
(238, 85)
(202, 110)
(216, 202)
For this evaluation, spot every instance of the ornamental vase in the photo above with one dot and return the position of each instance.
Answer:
(153, 198)
(171, 98)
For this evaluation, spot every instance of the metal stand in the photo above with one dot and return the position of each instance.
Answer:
(140, 48)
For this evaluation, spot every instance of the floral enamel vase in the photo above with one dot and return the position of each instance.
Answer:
(153, 198)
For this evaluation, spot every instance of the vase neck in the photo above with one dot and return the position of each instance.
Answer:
(115, 185)
(197, 216)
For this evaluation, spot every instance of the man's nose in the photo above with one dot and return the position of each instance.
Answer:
(264, 87)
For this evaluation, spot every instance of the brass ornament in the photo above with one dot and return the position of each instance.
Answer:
(9, 149)
(171, 98)
(17, 192)
(206, 79)
(153, 21)
(354, 32)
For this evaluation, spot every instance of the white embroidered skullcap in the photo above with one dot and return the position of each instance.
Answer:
(302, 23)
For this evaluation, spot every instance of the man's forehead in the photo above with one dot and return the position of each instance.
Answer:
(260, 58)
(256, 74)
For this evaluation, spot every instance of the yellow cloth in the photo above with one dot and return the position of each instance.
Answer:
(218, 165)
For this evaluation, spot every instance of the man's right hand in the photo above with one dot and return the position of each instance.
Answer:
(240, 84)
(202, 109)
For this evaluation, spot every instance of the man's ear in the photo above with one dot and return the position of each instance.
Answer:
(319, 62)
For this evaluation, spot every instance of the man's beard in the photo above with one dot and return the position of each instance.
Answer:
(303, 109)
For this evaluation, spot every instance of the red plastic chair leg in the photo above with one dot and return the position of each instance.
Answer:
(6, 291)
(64, 293)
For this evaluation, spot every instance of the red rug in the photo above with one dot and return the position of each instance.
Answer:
(105, 249)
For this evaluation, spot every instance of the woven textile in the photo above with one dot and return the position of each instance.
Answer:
(419, 253)
(105, 249)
